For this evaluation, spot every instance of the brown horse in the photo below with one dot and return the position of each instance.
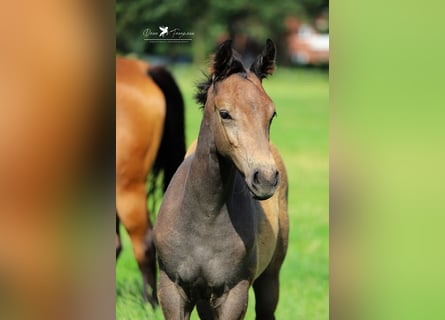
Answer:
(149, 137)
(223, 223)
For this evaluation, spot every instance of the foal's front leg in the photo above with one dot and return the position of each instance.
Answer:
(233, 304)
(174, 305)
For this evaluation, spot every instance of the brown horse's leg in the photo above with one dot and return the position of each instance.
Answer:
(132, 211)
(118, 238)
(174, 305)
(148, 269)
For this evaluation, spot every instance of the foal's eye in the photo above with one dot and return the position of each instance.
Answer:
(224, 114)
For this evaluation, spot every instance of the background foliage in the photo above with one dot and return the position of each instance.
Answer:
(208, 19)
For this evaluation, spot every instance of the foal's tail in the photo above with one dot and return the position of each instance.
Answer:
(172, 148)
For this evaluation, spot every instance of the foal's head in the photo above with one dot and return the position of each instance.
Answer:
(240, 114)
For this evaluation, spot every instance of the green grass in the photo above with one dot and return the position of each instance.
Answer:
(301, 134)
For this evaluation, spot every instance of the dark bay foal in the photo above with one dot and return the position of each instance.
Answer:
(223, 223)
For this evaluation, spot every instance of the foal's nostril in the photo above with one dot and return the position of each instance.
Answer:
(256, 180)
(277, 178)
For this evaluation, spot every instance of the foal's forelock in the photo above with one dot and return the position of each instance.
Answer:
(227, 62)
(211, 82)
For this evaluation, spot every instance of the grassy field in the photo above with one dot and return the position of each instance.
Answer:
(301, 134)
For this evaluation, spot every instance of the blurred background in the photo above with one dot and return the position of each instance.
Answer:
(300, 28)
(300, 90)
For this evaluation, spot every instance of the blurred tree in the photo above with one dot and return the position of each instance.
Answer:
(314, 7)
(209, 20)
(133, 16)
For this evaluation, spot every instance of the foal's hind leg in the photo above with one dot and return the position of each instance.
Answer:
(266, 289)
(267, 286)
(132, 211)
(205, 311)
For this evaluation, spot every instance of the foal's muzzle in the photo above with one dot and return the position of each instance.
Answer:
(264, 181)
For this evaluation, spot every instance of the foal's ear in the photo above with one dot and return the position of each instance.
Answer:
(264, 64)
(224, 62)
(223, 58)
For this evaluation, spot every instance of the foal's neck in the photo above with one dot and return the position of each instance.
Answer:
(211, 176)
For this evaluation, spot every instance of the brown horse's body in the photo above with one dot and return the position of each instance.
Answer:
(141, 111)
(223, 223)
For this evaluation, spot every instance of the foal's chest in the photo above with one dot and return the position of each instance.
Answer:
(217, 255)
